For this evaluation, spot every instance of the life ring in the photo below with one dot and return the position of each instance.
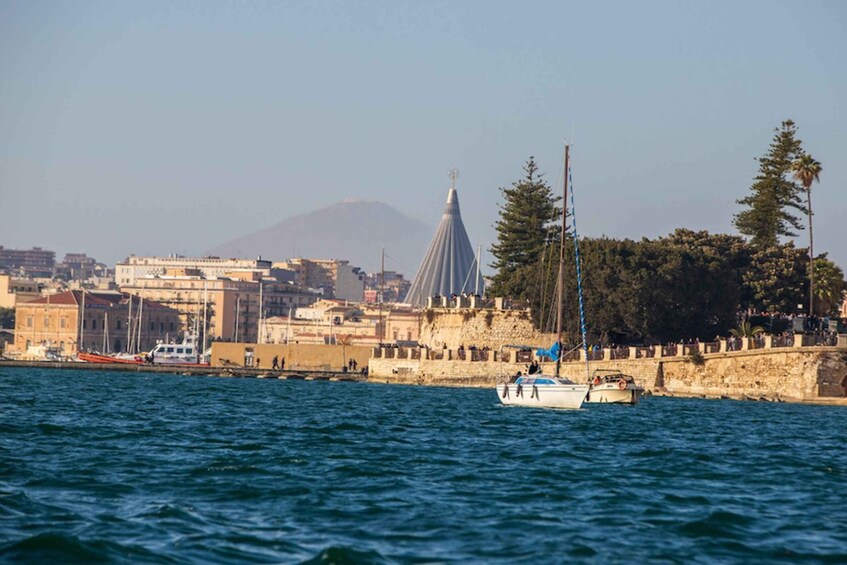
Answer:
(622, 384)
(596, 380)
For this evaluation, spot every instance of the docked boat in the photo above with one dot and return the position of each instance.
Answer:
(543, 391)
(91, 357)
(185, 353)
(613, 387)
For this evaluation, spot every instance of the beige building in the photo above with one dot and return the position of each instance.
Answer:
(15, 290)
(336, 322)
(108, 322)
(221, 307)
(336, 278)
(134, 268)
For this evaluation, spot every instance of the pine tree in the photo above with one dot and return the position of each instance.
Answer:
(526, 231)
(774, 194)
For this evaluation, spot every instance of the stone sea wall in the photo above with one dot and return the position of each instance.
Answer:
(790, 373)
(493, 327)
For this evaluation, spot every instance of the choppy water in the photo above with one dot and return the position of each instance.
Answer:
(98, 466)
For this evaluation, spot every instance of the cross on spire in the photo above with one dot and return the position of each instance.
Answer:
(454, 174)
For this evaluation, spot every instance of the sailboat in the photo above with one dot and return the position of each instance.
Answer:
(540, 390)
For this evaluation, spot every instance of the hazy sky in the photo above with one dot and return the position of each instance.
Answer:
(149, 128)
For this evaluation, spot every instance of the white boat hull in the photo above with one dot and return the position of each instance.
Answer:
(613, 395)
(543, 396)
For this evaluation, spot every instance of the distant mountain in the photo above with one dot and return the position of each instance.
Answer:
(355, 230)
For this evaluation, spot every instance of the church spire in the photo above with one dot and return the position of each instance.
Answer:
(449, 266)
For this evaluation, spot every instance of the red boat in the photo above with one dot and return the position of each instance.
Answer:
(97, 358)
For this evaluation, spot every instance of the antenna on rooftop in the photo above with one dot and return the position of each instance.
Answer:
(454, 174)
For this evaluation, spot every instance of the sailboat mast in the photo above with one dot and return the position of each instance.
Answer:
(478, 255)
(205, 309)
(81, 343)
(379, 296)
(129, 324)
(261, 311)
(560, 284)
(140, 323)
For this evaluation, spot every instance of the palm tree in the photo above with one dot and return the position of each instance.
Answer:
(744, 329)
(807, 170)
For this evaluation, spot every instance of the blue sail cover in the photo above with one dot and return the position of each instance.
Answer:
(552, 354)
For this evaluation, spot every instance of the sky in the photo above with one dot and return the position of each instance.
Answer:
(172, 127)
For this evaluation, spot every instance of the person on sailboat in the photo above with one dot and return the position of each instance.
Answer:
(533, 367)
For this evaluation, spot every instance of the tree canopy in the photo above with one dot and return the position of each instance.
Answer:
(526, 232)
(774, 196)
(690, 284)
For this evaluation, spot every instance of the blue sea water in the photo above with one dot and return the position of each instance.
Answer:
(121, 467)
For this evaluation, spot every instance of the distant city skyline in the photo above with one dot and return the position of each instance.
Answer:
(155, 128)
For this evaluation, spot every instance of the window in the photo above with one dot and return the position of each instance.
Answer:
(29, 325)
(93, 324)
(172, 326)
(180, 350)
(152, 326)
(161, 327)
(61, 346)
(84, 324)
(46, 321)
(119, 327)
(169, 350)
(62, 322)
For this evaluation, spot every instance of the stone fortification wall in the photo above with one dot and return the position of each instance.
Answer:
(796, 373)
(479, 326)
(299, 356)
(804, 374)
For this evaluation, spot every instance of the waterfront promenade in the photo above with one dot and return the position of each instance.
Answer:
(792, 368)
(190, 370)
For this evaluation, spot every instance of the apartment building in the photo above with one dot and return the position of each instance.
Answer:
(134, 267)
(337, 321)
(35, 262)
(335, 278)
(221, 307)
(14, 290)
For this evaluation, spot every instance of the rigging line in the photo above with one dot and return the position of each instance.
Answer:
(578, 275)
(399, 264)
(468, 277)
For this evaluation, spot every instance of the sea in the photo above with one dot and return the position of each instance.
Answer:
(111, 467)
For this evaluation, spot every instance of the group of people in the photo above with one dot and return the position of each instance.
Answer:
(471, 348)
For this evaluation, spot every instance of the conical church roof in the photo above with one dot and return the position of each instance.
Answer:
(449, 266)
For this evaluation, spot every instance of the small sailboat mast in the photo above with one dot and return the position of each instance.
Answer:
(560, 283)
